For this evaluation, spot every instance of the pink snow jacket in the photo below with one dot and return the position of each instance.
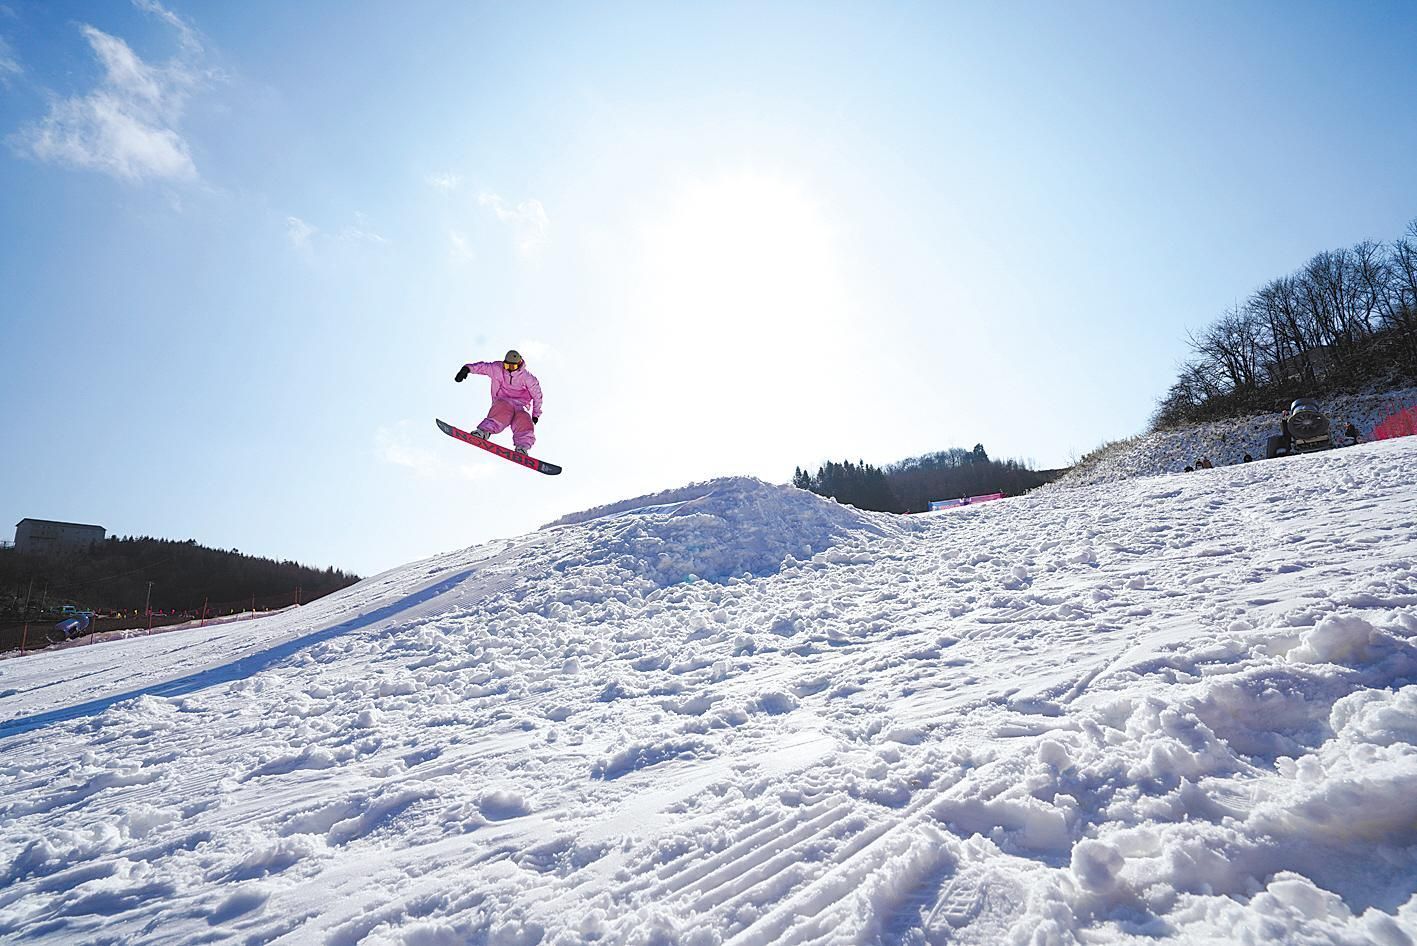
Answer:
(519, 387)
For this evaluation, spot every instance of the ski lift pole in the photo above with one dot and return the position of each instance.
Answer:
(24, 639)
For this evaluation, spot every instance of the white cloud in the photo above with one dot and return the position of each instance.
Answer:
(527, 219)
(460, 248)
(306, 237)
(427, 455)
(447, 181)
(299, 232)
(9, 65)
(186, 35)
(361, 232)
(128, 125)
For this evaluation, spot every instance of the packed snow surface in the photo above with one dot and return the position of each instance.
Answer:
(1179, 708)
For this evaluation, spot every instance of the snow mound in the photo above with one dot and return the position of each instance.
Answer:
(715, 530)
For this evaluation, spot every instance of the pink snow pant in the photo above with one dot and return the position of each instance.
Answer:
(504, 413)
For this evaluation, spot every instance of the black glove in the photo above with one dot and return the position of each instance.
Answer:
(535, 420)
(462, 373)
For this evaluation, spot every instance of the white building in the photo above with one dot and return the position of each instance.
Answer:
(45, 537)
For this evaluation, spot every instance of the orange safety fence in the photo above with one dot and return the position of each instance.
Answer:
(1403, 423)
(34, 634)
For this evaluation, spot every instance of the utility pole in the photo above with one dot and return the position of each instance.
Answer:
(28, 593)
(148, 604)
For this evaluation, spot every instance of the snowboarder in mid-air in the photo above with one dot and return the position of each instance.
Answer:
(515, 391)
(516, 403)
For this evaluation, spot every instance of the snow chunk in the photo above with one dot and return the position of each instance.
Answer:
(1338, 639)
(1378, 718)
(242, 900)
(1097, 864)
(499, 804)
(775, 702)
(643, 755)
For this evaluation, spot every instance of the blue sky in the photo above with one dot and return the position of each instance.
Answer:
(246, 246)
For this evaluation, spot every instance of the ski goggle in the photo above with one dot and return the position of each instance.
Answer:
(512, 365)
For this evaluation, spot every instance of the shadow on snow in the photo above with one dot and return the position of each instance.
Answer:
(236, 669)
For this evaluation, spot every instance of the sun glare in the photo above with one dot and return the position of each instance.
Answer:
(737, 299)
(746, 251)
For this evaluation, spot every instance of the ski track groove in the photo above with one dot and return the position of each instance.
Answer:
(858, 857)
(742, 840)
(747, 874)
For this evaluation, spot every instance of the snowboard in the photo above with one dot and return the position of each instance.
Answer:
(506, 453)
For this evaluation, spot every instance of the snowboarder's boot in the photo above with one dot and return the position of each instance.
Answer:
(521, 450)
(479, 433)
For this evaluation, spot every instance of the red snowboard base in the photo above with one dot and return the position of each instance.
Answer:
(506, 453)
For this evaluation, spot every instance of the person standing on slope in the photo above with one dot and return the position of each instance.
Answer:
(514, 391)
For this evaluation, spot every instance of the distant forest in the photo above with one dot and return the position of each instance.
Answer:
(1345, 322)
(113, 576)
(910, 485)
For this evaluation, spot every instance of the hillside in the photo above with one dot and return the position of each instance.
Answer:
(1224, 442)
(1159, 708)
(113, 576)
(912, 484)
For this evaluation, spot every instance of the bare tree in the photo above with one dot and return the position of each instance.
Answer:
(1291, 334)
(1401, 313)
(1319, 283)
(1370, 284)
(1347, 317)
(1232, 349)
(1403, 269)
(1180, 404)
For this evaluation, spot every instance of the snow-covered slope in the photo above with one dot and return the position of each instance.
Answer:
(1225, 442)
(1178, 708)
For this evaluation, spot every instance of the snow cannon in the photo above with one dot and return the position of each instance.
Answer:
(1308, 427)
(1305, 430)
(70, 628)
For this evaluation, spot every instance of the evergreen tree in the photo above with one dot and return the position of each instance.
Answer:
(114, 575)
(910, 485)
(856, 484)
